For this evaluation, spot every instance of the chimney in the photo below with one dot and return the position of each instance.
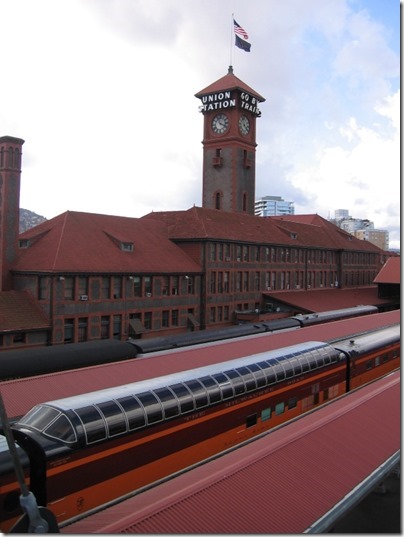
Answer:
(10, 179)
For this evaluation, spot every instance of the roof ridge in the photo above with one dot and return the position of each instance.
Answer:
(59, 245)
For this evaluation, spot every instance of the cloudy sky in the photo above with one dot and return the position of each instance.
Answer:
(102, 92)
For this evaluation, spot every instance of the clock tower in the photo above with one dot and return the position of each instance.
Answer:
(230, 109)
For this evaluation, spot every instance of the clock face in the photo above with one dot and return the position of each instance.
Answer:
(244, 125)
(220, 124)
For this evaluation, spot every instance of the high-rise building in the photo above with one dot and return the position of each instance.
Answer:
(273, 206)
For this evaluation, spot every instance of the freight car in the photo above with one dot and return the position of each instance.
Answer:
(42, 360)
(88, 450)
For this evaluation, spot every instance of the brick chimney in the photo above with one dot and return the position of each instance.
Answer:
(10, 179)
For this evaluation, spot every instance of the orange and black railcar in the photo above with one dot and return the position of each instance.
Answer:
(88, 450)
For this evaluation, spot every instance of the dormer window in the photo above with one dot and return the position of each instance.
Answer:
(293, 235)
(23, 243)
(127, 246)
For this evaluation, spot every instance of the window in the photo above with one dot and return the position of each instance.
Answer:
(152, 406)
(137, 286)
(117, 323)
(114, 417)
(279, 408)
(19, 337)
(165, 285)
(174, 285)
(105, 287)
(165, 318)
(69, 288)
(127, 246)
(83, 285)
(292, 403)
(68, 330)
(117, 287)
(148, 285)
(190, 285)
(213, 282)
(105, 327)
(82, 333)
(174, 317)
(94, 425)
(265, 414)
(42, 288)
(134, 412)
(148, 320)
(251, 420)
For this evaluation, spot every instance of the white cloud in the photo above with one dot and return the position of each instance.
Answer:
(361, 174)
(103, 93)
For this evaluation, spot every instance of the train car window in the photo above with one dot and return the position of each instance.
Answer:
(377, 361)
(185, 398)
(199, 392)
(251, 420)
(115, 418)
(237, 381)
(289, 371)
(134, 412)
(297, 368)
(304, 363)
(278, 370)
(292, 403)
(214, 393)
(152, 406)
(369, 365)
(279, 408)
(268, 371)
(265, 414)
(61, 429)
(259, 375)
(319, 358)
(40, 416)
(169, 401)
(248, 377)
(93, 423)
(224, 383)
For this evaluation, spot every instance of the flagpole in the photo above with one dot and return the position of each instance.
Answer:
(231, 40)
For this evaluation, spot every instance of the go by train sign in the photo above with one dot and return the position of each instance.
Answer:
(230, 99)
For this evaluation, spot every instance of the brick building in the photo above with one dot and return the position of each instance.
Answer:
(83, 276)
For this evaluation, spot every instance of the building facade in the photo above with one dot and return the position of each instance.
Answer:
(85, 276)
(273, 206)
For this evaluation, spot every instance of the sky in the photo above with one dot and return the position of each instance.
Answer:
(103, 93)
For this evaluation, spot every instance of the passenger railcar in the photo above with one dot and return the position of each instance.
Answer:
(87, 450)
(42, 360)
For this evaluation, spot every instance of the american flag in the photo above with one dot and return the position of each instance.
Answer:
(239, 30)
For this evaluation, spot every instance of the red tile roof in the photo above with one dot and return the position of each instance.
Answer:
(390, 272)
(307, 230)
(328, 299)
(85, 242)
(284, 482)
(19, 311)
(228, 82)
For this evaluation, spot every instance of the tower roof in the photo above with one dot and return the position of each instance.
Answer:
(229, 82)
